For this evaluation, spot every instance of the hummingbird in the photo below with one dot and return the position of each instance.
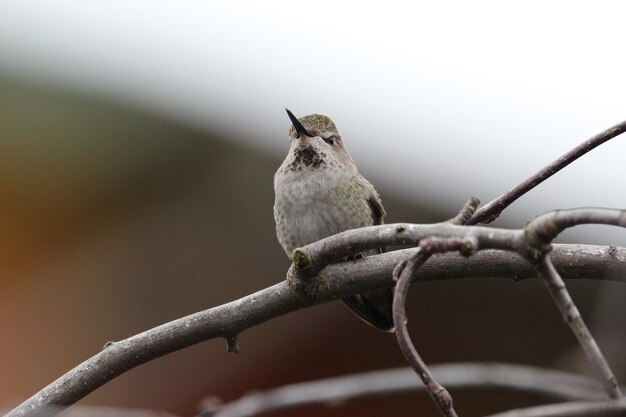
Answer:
(318, 193)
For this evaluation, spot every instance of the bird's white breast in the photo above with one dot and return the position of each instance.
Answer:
(308, 204)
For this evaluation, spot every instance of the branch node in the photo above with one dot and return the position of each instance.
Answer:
(299, 277)
(466, 212)
(432, 244)
(108, 344)
(232, 344)
(302, 262)
(541, 231)
(443, 397)
(305, 286)
(468, 246)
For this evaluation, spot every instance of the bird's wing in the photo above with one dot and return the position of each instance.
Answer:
(378, 211)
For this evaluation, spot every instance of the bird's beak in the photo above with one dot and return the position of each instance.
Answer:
(299, 128)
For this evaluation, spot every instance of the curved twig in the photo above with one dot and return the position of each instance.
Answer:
(542, 230)
(525, 379)
(490, 211)
(403, 275)
(571, 409)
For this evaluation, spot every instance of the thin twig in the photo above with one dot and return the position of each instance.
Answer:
(403, 275)
(539, 233)
(466, 212)
(331, 391)
(571, 409)
(572, 317)
(490, 211)
(542, 230)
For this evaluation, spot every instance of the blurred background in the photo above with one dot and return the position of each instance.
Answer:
(138, 141)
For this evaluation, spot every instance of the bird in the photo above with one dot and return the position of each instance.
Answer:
(318, 193)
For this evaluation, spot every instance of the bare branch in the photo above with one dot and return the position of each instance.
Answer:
(524, 379)
(466, 212)
(116, 358)
(538, 235)
(543, 229)
(540, 232)
(572, 317)
(230, 319)
(102, 411)
(574, 262)
(403, 274)
(614, 408)
(490, 211)
(316, 256)
(309, 282)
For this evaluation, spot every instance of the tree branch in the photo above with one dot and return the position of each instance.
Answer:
(403, 274)
(230, 319)
(540, 232)
(524, 379)
(572, 317)
(490, 211)
(536, 236)
(572, 261)
(614, 408)
(543, 229)
(316, 256)
(539, 235)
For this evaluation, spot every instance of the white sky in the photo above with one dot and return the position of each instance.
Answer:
(437, 100)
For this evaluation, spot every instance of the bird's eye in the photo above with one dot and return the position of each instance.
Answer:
(330, 140)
